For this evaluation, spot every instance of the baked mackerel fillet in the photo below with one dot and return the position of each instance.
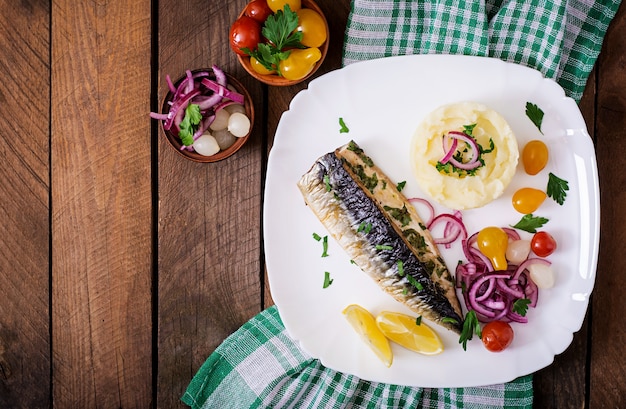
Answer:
(381, 232)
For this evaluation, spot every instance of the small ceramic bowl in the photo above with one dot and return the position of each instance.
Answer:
(172, 135)
(277, 80)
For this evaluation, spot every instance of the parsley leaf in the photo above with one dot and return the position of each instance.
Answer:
(327, 182)
(317, 237)
(189, 124)
(520, 306)
(535, 114)
(280, 30)
(557, 188)
(344, 127)
(327, 280)
(530, 223)
(364, 227)
(401, 186)
(418, 320)
(325, 246)
(400, 265)
(471, 326)
(469, 129)
(415, 283)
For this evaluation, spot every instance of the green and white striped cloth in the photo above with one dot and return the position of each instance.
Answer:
(260, 366)
(560, 38)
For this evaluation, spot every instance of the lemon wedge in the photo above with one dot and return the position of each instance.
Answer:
(364, 324)
(403, 330)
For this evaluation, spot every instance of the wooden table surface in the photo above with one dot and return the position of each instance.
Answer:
(123, 266)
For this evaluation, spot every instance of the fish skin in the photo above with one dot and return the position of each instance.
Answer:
(342, 205)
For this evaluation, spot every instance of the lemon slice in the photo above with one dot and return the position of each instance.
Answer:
(364, 324)
(403, 330)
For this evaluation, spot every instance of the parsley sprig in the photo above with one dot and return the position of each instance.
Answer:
(189, 124)
(520, 306)
(280, 31)
(471, 326)
(530, 223)
(535, 114)
(557, 188)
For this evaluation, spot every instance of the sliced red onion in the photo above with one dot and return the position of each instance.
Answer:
(207, 102)
(222, 90)
(523, 266)
(512, 233)
(450, 233)
(178, 107)
(190, 83)
(448, 150)
(429, 206)
(449, 154)
(156, 115)
(170, 84)
(220, 76)
(473, 290)
(512, 289)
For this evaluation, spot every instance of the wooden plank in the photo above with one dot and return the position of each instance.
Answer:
(608, 365)
(209, 232)
(101, 204)
(24, 205)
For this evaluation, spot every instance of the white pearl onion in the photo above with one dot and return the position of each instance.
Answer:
(235, 108)
(542, 275)
(224, 138)
(220, 121)
(206, 145)
(239, 124)
(518, 251)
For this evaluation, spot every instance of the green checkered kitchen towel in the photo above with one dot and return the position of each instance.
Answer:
(560, 38)
(260, 366)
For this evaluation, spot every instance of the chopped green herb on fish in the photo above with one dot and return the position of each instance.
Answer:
(410, 270)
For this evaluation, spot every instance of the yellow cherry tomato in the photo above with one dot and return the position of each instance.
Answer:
(493, 242)
(259, 68)
(276, 5)
(528, 199)
(299, 63)
(312, 27)
(534, 156)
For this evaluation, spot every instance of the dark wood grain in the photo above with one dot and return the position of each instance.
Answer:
(101, 205)
(607, 372)
(24, 205)
(209, 227)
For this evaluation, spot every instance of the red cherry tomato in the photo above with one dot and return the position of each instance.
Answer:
(245, 33)
(258, 10)
(497, 335)
(543, 244)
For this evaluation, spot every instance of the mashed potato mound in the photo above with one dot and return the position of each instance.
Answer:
(464, 191)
